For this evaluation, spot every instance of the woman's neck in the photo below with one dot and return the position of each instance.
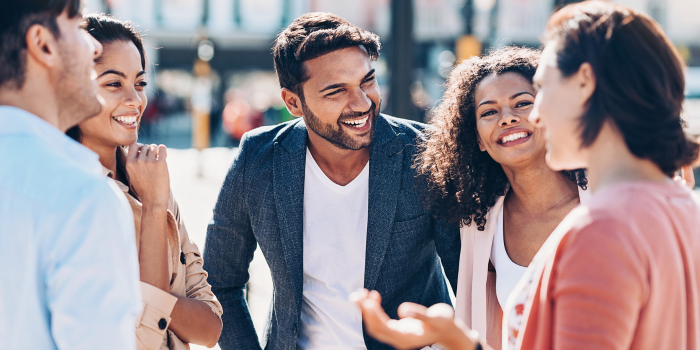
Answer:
(107, 154)
(611, 162)
(538, 189)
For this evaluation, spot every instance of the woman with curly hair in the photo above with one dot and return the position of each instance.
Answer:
(621, 271)
(485, 168)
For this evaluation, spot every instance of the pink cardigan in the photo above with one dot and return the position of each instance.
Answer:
(476, 301)
(622, 272)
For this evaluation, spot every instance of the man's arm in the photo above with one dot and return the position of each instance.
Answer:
(448, 245)
(228, 251)
(91, 274)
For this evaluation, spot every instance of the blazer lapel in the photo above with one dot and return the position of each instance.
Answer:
(288, 181)
(385, 161)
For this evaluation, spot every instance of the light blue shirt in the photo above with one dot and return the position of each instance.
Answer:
(69, 275)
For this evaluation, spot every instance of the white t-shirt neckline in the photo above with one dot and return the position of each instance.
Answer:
(508, 273)
(321, 176)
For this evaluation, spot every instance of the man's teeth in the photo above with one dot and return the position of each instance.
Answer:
(356, 123)
(126, 120)
(513, 137)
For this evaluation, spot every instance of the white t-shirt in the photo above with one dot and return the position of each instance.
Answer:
(335, 237)
(508, 273)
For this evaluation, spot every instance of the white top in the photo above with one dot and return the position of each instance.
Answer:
(508, 273)
(67, 233)
(335, 237)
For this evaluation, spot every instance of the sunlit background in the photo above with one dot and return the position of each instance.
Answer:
(211, 73)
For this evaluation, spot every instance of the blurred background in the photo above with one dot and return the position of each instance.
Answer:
(211, 74)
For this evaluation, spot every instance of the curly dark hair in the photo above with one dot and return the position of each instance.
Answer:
(463, 182)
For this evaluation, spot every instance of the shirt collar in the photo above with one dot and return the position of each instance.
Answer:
(16, 121)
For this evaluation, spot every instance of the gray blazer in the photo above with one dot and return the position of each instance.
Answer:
(262, 202)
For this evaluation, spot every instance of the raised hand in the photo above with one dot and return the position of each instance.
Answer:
(148, 174)
(418, 327)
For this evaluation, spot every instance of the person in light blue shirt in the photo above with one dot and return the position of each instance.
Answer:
(70, 274)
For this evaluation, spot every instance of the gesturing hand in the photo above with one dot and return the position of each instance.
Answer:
(148, 174)
(418, 327)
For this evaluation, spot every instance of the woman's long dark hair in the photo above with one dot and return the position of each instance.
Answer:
(463, 182)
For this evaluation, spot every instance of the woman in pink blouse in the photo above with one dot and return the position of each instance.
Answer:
(621, 271)
(178, 305)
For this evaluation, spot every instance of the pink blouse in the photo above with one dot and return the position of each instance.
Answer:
(622, 272)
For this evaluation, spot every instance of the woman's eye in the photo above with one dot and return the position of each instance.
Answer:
(115, 84)
(488, 113)
(523, 104)
(142, 84)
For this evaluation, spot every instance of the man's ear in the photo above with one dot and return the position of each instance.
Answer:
(42, 46)
(292, 101)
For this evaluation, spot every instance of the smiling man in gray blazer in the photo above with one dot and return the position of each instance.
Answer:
(332, 200)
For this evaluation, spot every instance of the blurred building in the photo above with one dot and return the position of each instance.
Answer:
(235, 36)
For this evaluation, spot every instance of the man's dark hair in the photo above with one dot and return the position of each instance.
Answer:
(639, 79)
(16, 17)
(313, 35)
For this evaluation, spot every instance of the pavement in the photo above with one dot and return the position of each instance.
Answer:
(195, 179)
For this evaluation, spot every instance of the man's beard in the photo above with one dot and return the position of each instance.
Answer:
(335, 134)
(77, 96)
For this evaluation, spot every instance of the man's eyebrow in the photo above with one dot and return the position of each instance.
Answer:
(339, 85)
(111, 71)
(333, 86)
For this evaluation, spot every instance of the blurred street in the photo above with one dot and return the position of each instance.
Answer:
(197, 197)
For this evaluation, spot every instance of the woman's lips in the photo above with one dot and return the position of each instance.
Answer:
(129, 122)
(515, 138)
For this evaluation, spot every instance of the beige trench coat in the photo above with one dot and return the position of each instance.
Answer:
(188, 279)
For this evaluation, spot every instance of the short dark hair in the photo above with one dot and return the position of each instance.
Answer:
(313, 35)
(639, 79)
(462, 183)
(16, 17)
(107, 29)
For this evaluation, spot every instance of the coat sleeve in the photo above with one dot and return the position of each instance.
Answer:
(228, 251)
(196, 285)
(154, 319)
(448, 245)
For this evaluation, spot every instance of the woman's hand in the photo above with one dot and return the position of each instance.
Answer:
(148, 174)
(418, 327)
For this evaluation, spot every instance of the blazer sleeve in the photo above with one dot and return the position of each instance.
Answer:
(598, 288)
(228, 251)
(448, 245)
